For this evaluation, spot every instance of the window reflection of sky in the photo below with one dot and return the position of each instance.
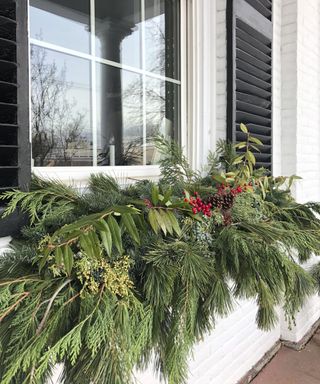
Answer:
(69, 33)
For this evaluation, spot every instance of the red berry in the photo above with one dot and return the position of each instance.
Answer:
(186, 200)
(194, 210)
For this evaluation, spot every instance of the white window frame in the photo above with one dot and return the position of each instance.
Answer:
(81, 174)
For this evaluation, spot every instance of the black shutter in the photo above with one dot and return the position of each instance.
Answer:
(15, 155)
(249, 73)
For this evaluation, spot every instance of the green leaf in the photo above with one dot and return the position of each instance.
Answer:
(67, 259)
(58, 256)
(130, 226)
(241, 145)
(166, 221)
(155, 194)
(250, 157)
(167, 196)
(115, 232)
(292, 179)
(174, 223)
(161, 222)
(238, 160)
(255, 140)
(219, 178)
(106, 237)
(153, 220)
(243, 128)
(255, 148)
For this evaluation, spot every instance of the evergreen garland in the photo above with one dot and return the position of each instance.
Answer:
(106, 281)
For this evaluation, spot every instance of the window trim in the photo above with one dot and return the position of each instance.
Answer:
(81, 174)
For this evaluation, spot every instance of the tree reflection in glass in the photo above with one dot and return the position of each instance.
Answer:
(60, 109)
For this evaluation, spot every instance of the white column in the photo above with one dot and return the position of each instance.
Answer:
(201, 80)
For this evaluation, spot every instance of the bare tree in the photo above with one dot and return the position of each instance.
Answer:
(57, 130)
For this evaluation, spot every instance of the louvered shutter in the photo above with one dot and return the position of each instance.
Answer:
(15, 163)
(249, 67)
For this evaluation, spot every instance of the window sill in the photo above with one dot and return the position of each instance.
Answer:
(79, 176)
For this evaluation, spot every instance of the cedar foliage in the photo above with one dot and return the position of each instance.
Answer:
(115, 278)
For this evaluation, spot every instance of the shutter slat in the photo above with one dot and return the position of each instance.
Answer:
(251, 79)
(253, 61)
(248, 118)
(240, 136)
(253, 41)
(260, 7)
(257, 129)
(262, 75)
(254, 100)
(253, 51)
(242, 86)
(251, 108)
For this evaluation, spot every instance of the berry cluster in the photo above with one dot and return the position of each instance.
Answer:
(198, 205)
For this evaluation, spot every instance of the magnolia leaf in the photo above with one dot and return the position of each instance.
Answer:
(167, 221)
(115, 232)
(255, 140)
(243, 128)
(238, 160)
(161, 222)
(130, 226)
(153, 220)
(67, 259)
(250, 157)
(292, 178)
(241, 145)
(58, 256)
(106, 237)
(255, 148)
(174, 223)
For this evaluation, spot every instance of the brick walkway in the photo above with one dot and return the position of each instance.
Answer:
(293, 367)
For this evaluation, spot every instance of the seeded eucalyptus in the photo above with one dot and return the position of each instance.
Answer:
(108, 281)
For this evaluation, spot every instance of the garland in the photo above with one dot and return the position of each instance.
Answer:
(109, 280)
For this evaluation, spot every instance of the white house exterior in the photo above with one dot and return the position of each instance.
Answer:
(236, 346)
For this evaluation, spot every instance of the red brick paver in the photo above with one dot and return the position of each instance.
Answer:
(293, 367)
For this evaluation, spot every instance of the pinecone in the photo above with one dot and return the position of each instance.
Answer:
(228, 201)
(216, 200)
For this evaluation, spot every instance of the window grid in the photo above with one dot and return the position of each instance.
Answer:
(95, 59)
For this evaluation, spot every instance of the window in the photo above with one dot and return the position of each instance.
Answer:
(250, 73)
(105, 80)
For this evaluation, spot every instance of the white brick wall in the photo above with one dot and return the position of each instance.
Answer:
(221, 70)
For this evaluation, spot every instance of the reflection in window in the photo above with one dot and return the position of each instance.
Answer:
(120, 116)
(60, 109)
(60, 22)
(104, 104)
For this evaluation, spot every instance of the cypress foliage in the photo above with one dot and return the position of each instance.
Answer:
(107, 281)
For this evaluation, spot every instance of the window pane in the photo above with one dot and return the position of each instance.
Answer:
(119, 116)
(60, 109)
(118, 25)
(162, 113)
(61, 22)
(162, 31)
